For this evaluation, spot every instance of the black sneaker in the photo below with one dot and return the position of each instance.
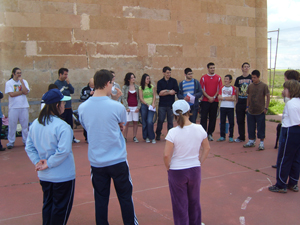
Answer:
(157, 137)
(293, 188)
(2, 149)
(274, 166)
(274, 188)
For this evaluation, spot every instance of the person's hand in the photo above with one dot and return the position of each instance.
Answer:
(265, 111)
(68, 81)
(128, 110)
(20, 79)
(119, 93)
(92, 92)
(121, 125)
(137, 110)
(187, 98)
(153, 106)
(246, 110)
(211, 99)
(41, 165)
(172, 92)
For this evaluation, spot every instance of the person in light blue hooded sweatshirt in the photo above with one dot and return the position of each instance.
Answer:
(49, 147)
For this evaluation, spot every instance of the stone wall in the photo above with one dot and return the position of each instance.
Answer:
(139, 36)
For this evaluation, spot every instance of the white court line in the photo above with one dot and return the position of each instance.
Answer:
(245, 203)
(242, 220)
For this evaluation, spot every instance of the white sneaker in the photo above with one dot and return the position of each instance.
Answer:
(135, 140)
(147, 140)
(76, 140)
(153, 141)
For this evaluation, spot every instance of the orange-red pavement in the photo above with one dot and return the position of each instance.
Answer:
(233, 189)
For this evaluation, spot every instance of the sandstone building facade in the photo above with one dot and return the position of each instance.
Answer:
(139, 36)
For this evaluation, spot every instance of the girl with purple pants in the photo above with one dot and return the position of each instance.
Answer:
(183, 158)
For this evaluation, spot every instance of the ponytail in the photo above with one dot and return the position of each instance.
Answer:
(180, 118)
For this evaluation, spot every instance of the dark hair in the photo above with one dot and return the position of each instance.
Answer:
(48, 111)
(180, 119)
(187, 70)
(256, 72)
(245, 63)
(210, 64)
(143, 81)
(14, 70)
(52, 86)
(101, 78)
(112, 71)
(292, 75)
(294, 88)
(62, 70)
(127, 78)
(166, 68)
(228, 75)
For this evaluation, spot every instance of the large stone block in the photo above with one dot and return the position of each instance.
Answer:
(240, 11)
(190, 51)
(237, 20)
(234, 2)
(136, 24)
(212, 7)
(242, 52)
(6, 34)
(9, 5)
(89, 9)
(117, 49)
(61, 48)
(219, 30)
(150, 37)
(203, 50)
(236, 41)
(168, 50)
(56, 62)
(225, 52)
(251, 42)
(112, 10)
(9, 61)
(162, 4)
(41, 34)
(121, 36)
(15, 19)
(145, 13)
(261, 42)
(250, 3)
(46, 7)
(182, 39)
(245, 31)
(61, 21)
(160, 62)
(188, 16)
(107, 23)
(261, 32)
(261, 13)
(162, 26)
(261, 22)
(261, 3)
(216, 18)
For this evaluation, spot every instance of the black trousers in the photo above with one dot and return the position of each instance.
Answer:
(0, 131)
(210, 109)
(68, 117)
(229, 113)
(240, 110)
(57, 201)
(101, 178)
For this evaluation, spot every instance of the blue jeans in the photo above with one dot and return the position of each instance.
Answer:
(260, 120)
(147, 122)
(194, 115)
(162, 111)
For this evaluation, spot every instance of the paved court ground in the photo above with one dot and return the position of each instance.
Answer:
(233, 189)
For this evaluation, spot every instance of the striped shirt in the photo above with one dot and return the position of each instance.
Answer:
(188, 87)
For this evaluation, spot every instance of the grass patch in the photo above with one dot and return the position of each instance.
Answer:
(275, 107)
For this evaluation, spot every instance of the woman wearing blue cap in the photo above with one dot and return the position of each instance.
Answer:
(183, 158)
(49, 147)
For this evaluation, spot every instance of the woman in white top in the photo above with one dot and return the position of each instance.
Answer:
(183, 158)
(288, 160)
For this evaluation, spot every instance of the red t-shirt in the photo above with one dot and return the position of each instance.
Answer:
(211, 84)
(132, 99)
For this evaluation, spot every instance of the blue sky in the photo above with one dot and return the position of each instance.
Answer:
(285, 15)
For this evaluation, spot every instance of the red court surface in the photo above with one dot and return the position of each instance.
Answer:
(233, 189)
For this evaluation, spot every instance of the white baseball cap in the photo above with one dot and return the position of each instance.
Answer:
(180, 105)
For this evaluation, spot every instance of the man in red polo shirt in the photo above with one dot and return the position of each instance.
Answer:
(211, 83)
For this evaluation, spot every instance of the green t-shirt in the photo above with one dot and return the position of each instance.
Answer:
(147, 94)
